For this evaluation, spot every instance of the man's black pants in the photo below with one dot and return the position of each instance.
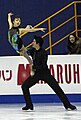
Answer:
(50, 80)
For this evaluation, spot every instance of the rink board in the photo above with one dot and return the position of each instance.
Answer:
(15, 69)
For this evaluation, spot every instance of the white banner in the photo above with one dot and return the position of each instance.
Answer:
(65, 68)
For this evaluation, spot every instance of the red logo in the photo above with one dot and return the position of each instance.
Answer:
(23, 73)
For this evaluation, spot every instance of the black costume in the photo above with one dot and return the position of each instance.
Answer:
(42, 73)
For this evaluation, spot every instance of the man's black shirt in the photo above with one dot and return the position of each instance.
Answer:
(39, 58)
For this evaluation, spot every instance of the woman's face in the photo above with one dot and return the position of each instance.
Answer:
(17, 22)
(71, 38)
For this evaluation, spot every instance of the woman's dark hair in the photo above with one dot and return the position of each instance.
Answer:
(76, 38)
(16, 17)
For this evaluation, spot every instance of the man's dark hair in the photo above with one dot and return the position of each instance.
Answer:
(39, 40)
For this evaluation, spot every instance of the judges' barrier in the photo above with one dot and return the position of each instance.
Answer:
(15, 69)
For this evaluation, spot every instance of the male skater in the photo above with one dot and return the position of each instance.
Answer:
(42, 72)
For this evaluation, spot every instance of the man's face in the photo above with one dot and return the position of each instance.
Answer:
(34, 43)
(72, 38)
(16, 22)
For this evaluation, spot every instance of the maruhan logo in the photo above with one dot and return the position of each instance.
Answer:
(63, 73)
(23, 73)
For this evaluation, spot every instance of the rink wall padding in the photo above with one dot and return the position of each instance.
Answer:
(46, 98)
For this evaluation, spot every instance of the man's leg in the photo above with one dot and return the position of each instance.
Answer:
(25, 88)
(55, 86)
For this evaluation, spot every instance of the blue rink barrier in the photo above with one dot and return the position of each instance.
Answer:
(38, 98)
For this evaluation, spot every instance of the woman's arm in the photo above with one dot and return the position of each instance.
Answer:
(23, 30)
(9, 20)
